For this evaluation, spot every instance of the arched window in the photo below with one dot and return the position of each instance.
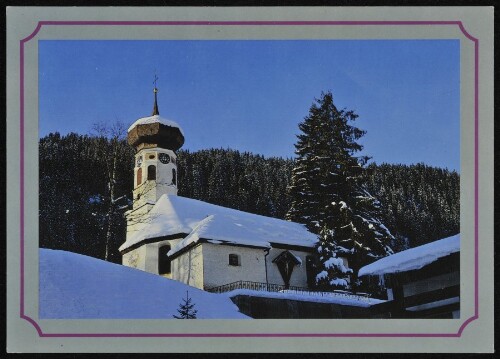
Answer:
(163, 260)
(151, 173)
(234, 260)
(174, 176)
(139, 176)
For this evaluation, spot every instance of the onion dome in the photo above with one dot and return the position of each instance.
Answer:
(155, 131)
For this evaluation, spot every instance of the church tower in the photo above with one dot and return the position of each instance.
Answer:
(155, 171)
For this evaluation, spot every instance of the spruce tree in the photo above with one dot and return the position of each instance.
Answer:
(312, 175)
(186, 310)
(328, 194)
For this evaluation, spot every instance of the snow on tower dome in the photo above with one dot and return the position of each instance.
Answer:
(155, 131)
(155, 119)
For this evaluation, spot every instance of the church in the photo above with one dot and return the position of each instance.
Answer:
(198, 243)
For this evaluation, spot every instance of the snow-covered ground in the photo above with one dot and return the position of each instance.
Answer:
(413, 258)
(76, 286)
(319, 297)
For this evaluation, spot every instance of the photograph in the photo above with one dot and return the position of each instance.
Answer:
(249, 179)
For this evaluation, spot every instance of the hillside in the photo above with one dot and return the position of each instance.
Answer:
(419, 203)
(73, 286)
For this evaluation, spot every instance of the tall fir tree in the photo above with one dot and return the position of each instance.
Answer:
(329, 197)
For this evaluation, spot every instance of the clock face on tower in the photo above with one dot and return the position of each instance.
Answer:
(164, 158)
(139, 161)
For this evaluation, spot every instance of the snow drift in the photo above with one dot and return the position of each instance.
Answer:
(73, 286)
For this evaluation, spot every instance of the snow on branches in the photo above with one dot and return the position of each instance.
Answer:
(329, 197)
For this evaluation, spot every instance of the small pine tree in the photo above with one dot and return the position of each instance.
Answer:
(186, 310)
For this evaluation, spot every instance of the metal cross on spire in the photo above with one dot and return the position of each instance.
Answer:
(154, 82)
(155, 90)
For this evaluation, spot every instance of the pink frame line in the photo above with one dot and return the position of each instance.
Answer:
(255, 23)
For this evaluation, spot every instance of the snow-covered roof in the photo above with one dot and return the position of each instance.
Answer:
(316, 297)
(413, 258)
(155, 119)
(173, 215)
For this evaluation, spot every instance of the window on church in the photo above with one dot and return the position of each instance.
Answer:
(151, 173)
(163, 260)
(139, 176)
(174, 176)
(234, 260)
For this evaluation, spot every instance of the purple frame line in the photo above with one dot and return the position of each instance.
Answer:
(256, 335)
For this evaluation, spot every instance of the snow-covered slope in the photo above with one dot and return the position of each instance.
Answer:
(413, 258)
(77, 286)
(174, 214)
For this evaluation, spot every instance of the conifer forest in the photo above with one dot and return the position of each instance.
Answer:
(419, 203)
(365, 211)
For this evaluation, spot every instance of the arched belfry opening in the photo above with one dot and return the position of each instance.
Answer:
(139, 177)
(151, 173)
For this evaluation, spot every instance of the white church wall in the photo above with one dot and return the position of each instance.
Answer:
(151, 264)
(164, 181)
(152, 256)
(188, 267)
(217, 270)
(137, 218)
(146, 257)
(136, 258)
(144, 193)
(299, 274)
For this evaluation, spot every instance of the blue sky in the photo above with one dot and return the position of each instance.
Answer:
(251, 95)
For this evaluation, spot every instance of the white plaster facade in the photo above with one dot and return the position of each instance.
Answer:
(148, 190)
(218, 271)
(207, 265)
(146, 257)
(189, 267)
(299, 274)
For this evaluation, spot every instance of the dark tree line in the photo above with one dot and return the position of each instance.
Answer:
(419, 203)
(229, 178)
(75, 193)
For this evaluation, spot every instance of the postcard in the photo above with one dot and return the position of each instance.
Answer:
(288, 179)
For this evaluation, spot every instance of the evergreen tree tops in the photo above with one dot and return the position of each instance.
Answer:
(419, 203)
(328, 194)
(325, 158)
